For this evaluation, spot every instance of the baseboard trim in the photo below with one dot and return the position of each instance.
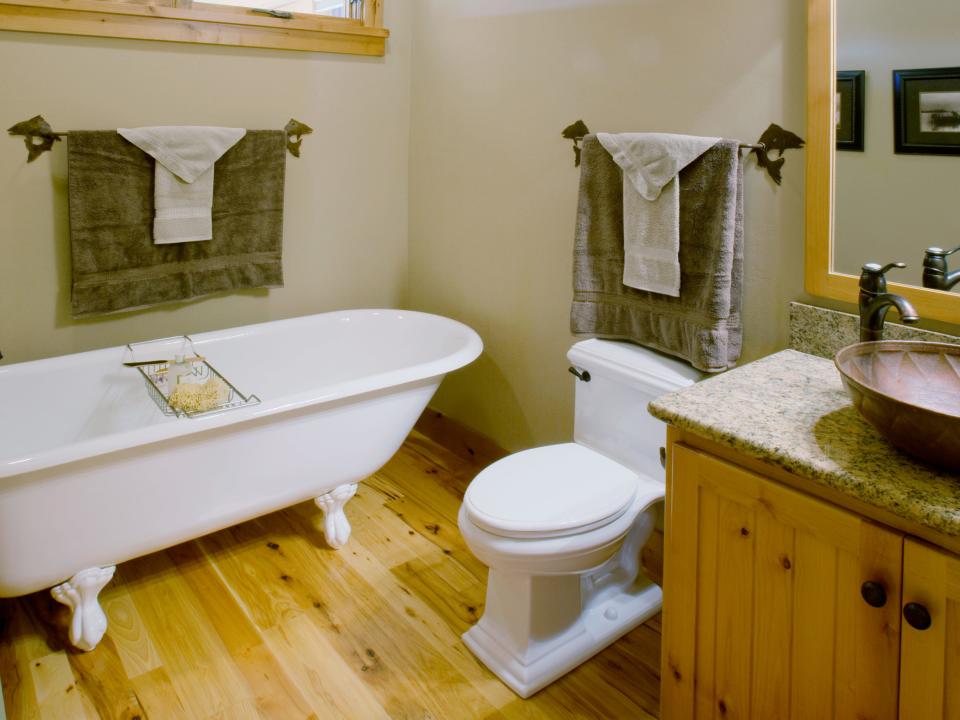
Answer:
(464, 441)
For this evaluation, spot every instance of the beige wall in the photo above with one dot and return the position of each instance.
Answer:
(345, 225)
(493, 187)
(892, 207)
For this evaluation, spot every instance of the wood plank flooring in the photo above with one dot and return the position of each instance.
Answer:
(262, 620)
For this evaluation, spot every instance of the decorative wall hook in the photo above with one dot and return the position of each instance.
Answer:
(773, 138)
(295, 131)
(575, 132)
(776, 138)
(39, 137)
(37, 134)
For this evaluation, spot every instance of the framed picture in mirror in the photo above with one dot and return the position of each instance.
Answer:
(927, 111)
(849, 109)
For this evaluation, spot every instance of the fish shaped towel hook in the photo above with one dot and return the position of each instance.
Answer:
(776, 138)
(295, 131)
(575, 132)
(37, 134)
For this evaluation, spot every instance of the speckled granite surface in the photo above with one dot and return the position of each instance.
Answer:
(790, 409)
(823, 332)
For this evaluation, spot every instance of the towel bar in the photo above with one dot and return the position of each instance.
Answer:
(773, 138)
(39, 137)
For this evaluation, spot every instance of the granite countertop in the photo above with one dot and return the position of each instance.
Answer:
(790, 410)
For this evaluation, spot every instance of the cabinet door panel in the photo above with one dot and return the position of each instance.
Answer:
(930, 672)
(814, 627)
(873, 676)
(706, 626)
(774, 553)
(763, 616)
(734, 636)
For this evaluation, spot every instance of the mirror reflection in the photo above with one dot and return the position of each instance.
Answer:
(898, 139)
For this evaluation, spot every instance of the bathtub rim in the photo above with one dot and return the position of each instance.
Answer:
(12, 466)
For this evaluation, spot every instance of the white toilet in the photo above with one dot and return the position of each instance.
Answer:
(561, 527)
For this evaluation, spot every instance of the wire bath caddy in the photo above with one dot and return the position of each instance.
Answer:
(155, 375)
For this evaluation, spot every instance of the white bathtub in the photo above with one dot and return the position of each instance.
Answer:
(92, 473)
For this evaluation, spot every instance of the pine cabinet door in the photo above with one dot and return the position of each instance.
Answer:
(765, 613)
(930, 658)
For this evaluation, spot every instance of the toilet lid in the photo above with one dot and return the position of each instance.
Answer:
(549, 492)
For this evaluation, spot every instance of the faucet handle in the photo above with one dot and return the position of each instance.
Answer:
(940, 252)
(935, 256)
(877, 269)
(873, 276)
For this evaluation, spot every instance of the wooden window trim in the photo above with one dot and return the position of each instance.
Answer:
(199, 23)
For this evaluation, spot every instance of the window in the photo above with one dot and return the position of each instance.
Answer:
(339, 26)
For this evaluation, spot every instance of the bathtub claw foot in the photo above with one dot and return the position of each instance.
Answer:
(80, 593)
(336, 527)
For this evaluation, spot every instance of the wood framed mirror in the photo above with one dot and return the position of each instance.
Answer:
(353, 27)
(824, 275)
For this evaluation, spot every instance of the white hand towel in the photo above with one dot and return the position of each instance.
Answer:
(183, 191)
(651, 163)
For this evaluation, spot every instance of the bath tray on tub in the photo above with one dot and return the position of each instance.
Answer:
(155, 376)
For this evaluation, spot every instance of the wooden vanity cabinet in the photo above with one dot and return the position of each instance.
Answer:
(779, 604)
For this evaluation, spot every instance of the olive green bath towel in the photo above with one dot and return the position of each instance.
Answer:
(116, 265)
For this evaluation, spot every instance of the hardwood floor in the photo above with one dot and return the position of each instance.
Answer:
(262, 620)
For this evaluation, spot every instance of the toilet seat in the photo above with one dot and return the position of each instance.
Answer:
(550, 492)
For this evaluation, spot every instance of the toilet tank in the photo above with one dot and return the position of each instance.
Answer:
(611, 409)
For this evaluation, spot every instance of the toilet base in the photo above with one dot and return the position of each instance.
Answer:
(531, 665)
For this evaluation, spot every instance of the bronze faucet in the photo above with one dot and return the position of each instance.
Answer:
(935, 274)
(875, 302)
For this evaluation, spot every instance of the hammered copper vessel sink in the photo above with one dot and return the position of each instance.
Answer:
(910, 392)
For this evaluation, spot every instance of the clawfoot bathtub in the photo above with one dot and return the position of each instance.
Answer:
(92, 473)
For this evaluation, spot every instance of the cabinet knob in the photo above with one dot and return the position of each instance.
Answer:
(917, 616)
(873, 594)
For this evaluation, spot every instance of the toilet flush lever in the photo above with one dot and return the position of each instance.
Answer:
(581, 374)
